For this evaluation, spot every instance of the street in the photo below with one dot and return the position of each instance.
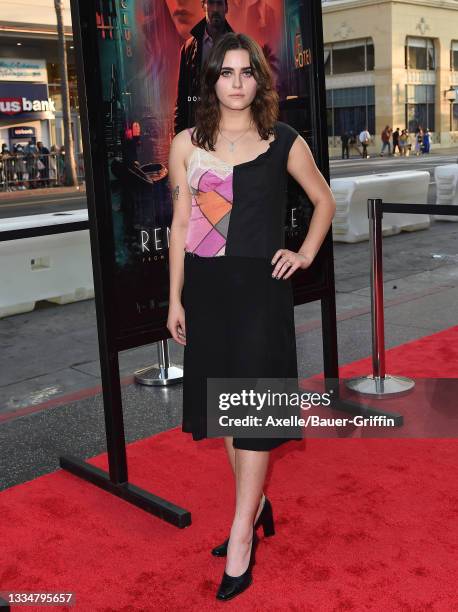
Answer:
(37, 201)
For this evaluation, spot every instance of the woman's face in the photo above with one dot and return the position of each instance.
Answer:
(185, 14)
(236, 86)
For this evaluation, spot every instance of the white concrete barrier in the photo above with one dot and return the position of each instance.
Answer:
(446, 178)
(56, 268)
(351, 223)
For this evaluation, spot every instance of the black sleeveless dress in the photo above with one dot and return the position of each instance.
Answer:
(239, 319)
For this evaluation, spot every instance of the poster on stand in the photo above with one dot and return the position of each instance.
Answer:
(140, 60)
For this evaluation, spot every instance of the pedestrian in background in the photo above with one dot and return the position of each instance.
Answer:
(344, 139)
(8, 168)
(426, 141)
(418, 140)
(365, 139)
(409, 143)
(403, 143)
(354, 143)
(396, 134)
(31, 158)
(386, 135)
(21, 168)
(53, 165)
(43, 162)
(61, 166)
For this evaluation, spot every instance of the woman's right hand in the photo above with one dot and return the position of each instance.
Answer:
(176, 323)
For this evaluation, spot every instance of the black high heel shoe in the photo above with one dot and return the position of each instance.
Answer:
(265, 519)
(234, 585)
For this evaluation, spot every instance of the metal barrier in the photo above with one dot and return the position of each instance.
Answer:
(33, 170)
(379, 383)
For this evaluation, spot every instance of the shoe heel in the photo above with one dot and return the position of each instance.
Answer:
(268, 527)
(268, 521)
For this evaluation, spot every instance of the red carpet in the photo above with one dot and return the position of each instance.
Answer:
(362, 524)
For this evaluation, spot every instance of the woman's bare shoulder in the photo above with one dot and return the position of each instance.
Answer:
(181, 143)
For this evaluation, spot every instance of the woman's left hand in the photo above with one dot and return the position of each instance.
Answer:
(289, 261)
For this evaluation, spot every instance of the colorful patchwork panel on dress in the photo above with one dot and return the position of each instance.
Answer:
(210, 182)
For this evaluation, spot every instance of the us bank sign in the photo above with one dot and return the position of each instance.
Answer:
(11, 106)
(26, 100)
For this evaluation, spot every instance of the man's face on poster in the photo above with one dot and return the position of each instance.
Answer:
(185, 14)
(215, 12)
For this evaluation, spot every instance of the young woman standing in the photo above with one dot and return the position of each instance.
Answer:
(231, 303)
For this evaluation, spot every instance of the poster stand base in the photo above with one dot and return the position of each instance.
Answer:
(131, 493)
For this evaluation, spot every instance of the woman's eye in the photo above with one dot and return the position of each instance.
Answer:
(228, 72)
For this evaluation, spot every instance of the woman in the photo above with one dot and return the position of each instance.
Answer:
(419, 141)
(403, 142)
(228, 176)
(53, 165)
(426, 141)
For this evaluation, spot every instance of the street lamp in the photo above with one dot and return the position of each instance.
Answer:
(450, 95)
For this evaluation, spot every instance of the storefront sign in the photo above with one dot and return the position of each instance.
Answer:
(20, 100)
(30, 70)
(22, 131)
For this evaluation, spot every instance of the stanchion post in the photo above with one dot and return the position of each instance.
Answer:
(375, 214)
(378, 384)
(161, 374)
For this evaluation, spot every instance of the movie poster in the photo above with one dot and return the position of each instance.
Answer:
(150, 56)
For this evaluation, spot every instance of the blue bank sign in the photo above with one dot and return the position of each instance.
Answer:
(25, 101)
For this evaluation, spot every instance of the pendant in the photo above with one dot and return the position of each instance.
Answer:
(231, 147)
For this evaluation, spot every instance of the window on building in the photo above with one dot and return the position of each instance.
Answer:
(420, 107)
(370, 55)
(454, 55)
(420, 53)
(54, 86)
(349, 56)
(350, 108)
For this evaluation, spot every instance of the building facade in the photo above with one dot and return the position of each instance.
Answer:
(391, 62)
(30, 96)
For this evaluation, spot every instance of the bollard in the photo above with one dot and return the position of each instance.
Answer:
(162, 373)
(378, 383)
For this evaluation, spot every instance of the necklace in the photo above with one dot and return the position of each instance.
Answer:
(232, 142)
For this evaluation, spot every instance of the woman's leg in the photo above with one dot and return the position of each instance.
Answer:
(250, 472)
(231, 455)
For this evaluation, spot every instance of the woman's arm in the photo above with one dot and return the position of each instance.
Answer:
(303, 169)
(181, 201)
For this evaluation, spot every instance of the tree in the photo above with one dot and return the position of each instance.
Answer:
(70, 166)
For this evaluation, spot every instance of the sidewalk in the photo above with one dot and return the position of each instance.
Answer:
(41, 192)
(374, 153)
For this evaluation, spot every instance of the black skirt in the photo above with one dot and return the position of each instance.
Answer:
(239, 323)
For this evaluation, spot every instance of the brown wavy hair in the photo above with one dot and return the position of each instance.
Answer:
(265, 105)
